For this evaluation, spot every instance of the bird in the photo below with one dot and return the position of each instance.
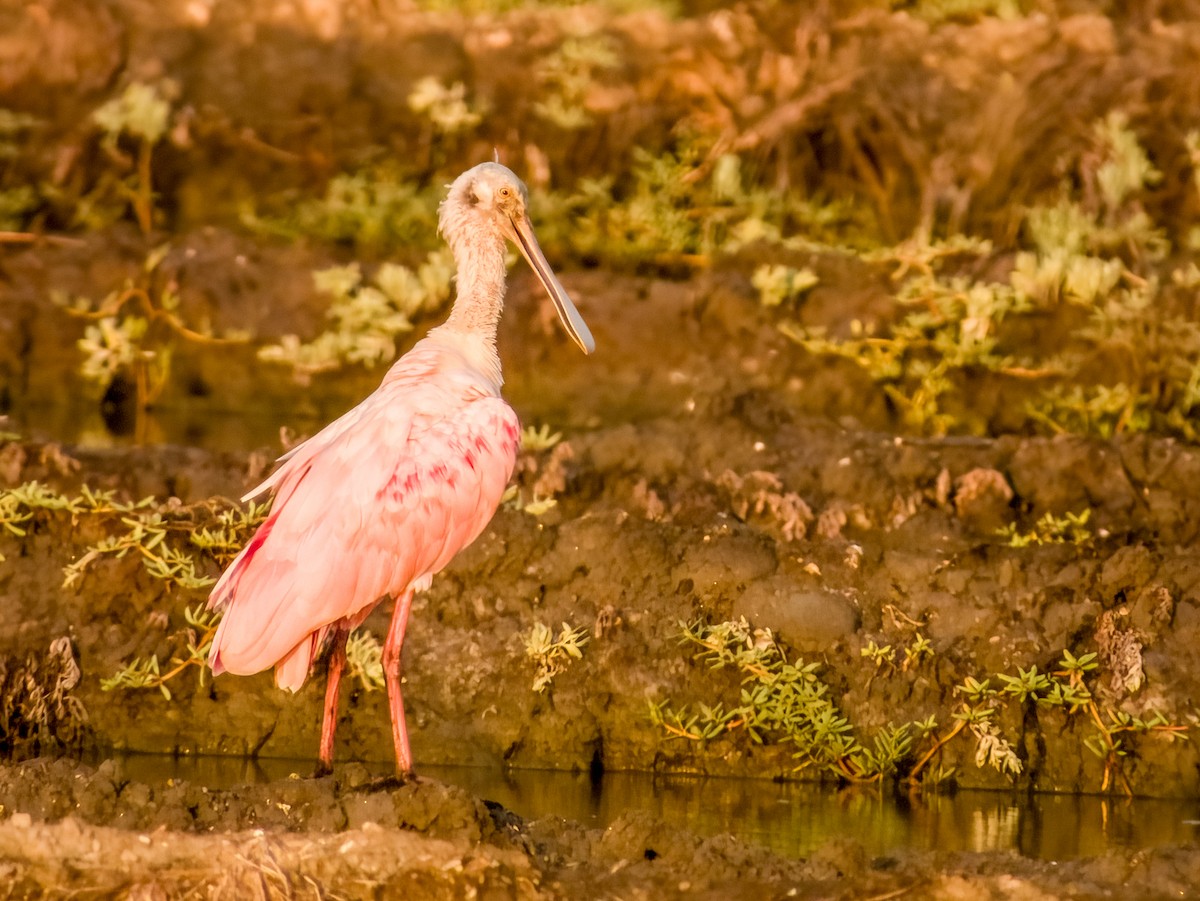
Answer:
(381, 499)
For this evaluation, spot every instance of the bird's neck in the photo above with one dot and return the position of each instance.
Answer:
(475, 316)
(481, 284)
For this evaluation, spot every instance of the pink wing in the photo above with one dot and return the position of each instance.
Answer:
(380, 499)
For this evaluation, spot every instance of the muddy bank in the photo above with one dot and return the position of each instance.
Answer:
(893, 544)
(705, 487)
(94, 832)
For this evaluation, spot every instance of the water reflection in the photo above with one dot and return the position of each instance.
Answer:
(790, 818)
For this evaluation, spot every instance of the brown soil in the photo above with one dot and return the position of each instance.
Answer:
(690, 430)
(89, 832)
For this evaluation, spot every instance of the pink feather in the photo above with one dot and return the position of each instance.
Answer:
(391, 492)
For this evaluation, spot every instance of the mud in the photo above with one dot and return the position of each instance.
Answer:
(713, 473)
(71, 829)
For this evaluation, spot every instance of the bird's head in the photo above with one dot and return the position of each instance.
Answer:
(489, 198)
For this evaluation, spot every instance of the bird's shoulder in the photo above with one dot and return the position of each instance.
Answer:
(447, 362)
(437, 388)
(432, 402)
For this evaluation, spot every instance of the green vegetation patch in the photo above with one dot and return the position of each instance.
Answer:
(784, 700)
(1093, 271)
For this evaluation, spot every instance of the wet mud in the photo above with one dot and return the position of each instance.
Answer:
(92, 832)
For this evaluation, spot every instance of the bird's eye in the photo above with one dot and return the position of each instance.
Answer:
(504, 192)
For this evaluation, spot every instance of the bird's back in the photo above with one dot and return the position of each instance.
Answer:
(372, 505)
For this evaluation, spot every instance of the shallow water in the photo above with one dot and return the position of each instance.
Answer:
(789, 818)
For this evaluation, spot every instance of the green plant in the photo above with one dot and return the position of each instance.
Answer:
(917, 652)
(160, 535)
(364, 660)
(19, 201)
(145, 528)
(1066, 689)
(880, 656)
(974, 714)
(1094, 253)
(1088, 268)
(534, 505)
(777, 284)
(540, 471)
(156, 533)
(448, 119)
(785, 700)
(15, 205)
(1114, 728)
(376, 210)
(569, 73)
(671, 209)
(148, 672)
(782, 700)
(445, 106)
(948, 330)
(677, 207)
(17, 505)
(132, 333)
(233, 527)
(540, 438)
(143, 114)
(146, 534)
(963, 10)
(1061, 274)
(1153, 355)
(1050, 529)
(1191, 143)
(20, 506)
(551, 655)
(495, 7)
(366, 318)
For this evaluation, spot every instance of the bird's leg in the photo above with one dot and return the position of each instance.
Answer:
(337, 663)
(391, 671)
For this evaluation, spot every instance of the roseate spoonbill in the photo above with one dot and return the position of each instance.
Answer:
(381, 499)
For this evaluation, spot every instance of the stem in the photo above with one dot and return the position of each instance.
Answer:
(1104, 731)
(681, 733)
(184, 664)
(143, 200)
(7, 237)
(855, 775)
(937, 746)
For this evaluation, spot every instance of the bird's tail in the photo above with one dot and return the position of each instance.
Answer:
(224, 593)
(292, 671)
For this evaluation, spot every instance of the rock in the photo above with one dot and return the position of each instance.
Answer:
(982, 499)
(805, 618)
(725, 563)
